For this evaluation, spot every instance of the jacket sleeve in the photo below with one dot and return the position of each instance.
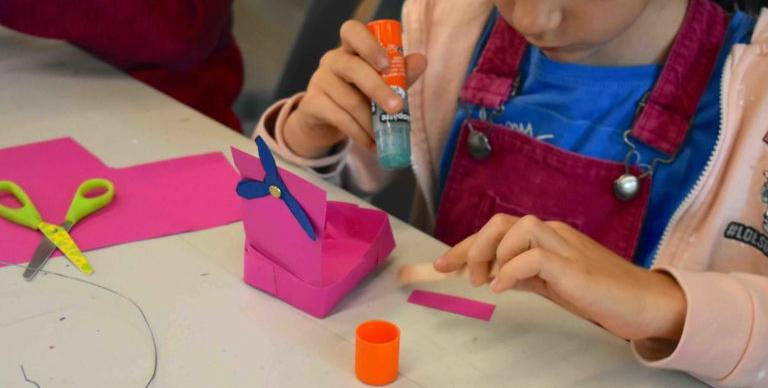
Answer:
(348, 165)
(129, 32)
(725, 336)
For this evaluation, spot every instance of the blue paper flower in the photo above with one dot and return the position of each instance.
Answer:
(273, 185)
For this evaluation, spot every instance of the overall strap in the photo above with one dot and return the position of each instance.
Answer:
(667, 114)
(495, 77)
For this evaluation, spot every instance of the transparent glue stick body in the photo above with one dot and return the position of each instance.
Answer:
(392, 131)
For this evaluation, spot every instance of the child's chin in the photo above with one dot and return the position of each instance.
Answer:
(566, 55)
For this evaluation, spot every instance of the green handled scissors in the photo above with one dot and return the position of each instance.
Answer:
(57, 236)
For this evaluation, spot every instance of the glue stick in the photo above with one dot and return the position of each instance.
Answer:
(392, 131)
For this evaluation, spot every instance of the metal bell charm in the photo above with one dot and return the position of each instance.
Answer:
(625, 187)
(479, 145)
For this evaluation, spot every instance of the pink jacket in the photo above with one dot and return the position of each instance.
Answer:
(716, 245)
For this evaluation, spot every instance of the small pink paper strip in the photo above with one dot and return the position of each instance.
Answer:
(452, 304)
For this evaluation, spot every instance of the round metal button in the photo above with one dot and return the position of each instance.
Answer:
(626, 187)
(479, 145)
(275, 191)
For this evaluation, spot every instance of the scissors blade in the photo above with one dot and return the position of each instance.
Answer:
(42, 254)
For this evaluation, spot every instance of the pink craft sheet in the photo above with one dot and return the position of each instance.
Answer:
(452, 304)
(151, 200)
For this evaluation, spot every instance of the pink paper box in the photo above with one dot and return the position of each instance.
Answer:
(282, 260)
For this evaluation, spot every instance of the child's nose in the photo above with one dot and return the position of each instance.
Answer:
(534, 18)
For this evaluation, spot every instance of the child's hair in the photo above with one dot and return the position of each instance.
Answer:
(751, 7)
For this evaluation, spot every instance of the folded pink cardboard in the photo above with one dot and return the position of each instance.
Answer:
(312, 275)
(151, 200)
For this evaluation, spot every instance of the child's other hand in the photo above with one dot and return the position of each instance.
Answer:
(562, 264)
(337, 103)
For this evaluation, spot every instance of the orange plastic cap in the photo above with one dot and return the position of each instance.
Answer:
(377, 352)
(387, 31)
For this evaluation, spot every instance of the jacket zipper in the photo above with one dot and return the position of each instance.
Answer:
(725, 79)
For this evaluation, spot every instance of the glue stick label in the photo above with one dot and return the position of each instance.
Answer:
(395, 73)
(400, 117)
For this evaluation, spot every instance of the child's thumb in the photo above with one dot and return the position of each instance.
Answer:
(415, 64)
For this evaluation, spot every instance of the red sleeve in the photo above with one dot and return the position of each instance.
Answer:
(127, 33)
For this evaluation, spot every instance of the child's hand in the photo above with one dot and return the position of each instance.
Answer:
(337, 103)
(569, 268)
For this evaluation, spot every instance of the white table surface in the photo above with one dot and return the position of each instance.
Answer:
(212, 329)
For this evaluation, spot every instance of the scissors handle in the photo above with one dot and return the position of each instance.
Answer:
(26, 215)
(83, 205)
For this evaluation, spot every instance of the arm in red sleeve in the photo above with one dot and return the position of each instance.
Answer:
(127, 33)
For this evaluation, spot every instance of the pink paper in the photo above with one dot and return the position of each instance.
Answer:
(151, 200)
(311, 275)
(452, 304)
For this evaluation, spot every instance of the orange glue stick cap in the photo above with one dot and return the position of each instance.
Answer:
(377, 352)
(389, 34)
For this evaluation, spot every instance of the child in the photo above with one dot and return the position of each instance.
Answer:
(183, 48)
(592, 140)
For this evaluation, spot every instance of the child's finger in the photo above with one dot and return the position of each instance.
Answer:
(415, 64)
(482, 254)
(455, 258)
(531, 264)
(352, 101)
(324, 108)
(356, 39)
(354, 70)
(527, 233)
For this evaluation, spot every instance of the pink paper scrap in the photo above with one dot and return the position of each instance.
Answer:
(151, 200)
(452, 304)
